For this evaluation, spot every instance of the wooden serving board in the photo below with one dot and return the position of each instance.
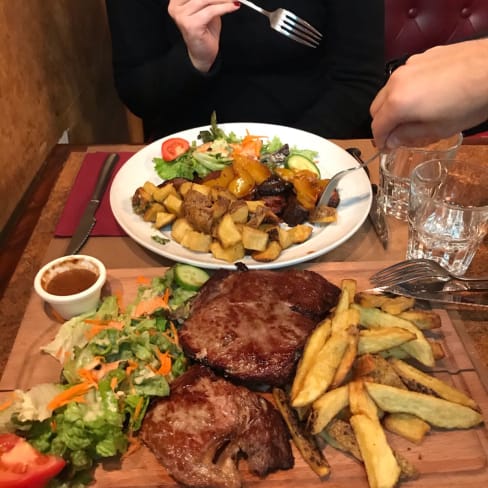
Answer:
(445, 458)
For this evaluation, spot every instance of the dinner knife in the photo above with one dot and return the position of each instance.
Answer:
(469, 298)
(376, 215)
(88, 220)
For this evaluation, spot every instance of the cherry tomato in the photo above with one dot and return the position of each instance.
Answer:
(174, 147)
(22, 466)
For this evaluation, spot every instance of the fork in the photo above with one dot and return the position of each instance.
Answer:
(334, 181)
(417, 270)
(288, 24)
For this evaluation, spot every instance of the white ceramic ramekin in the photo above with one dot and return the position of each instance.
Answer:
(85, 301)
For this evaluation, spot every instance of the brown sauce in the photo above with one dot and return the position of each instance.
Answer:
(71, 281)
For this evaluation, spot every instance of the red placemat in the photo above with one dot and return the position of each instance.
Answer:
(80, 194)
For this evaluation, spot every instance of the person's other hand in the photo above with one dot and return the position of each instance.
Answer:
(434, 95)
(200, 23)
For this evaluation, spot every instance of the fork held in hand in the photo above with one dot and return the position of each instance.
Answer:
(288, 24)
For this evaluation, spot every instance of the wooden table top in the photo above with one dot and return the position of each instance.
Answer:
(25, 252)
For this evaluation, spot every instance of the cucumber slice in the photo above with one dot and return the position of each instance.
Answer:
(190, 277)
(297, 161)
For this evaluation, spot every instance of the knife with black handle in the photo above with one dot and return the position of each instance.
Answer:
(88, 219)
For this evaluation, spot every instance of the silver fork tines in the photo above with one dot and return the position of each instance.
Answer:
(416, 270)
(288, 24)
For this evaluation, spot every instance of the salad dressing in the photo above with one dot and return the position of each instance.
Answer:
(71, 281)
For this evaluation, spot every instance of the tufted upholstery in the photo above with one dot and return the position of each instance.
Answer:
(411, 26)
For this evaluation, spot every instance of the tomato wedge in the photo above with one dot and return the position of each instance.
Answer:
(22, 466)
(173, 148)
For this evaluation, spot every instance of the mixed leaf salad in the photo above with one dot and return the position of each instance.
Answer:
(114, 361)
(215, 150)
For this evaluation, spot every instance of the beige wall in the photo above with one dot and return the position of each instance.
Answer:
(55, 73)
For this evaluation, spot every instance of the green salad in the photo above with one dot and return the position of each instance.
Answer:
(114, 361)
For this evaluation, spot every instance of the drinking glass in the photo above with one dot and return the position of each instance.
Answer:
(448, 212)
(397, 166)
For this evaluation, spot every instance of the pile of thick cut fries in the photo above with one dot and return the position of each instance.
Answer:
(353, 381)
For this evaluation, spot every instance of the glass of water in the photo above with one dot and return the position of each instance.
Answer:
(448, 212)
(397, 166)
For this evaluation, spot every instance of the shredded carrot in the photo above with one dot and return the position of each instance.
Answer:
(165, 363)
(143, 280)
(73, 394)
(250, 146)
(54, 426)
(8, 403)
(149, 306)
(120, 301)
(99, 325)
(113, 383)
(138, 409)
(132, 366)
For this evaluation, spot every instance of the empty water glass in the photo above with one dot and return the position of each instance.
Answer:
(397, 166)
(448, 212)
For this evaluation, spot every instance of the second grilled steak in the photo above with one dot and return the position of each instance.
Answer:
(252, 325)
(202, 429)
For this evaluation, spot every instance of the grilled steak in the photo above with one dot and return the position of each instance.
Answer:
(199, 432)
(252, 325)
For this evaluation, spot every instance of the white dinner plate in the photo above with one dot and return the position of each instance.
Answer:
(354, 191)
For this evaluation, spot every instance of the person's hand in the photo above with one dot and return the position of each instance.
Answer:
(434, 95)
(200, 23)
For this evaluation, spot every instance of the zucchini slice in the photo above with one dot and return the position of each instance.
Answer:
(299, 162)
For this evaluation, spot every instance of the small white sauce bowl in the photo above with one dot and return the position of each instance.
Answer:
(69, 306)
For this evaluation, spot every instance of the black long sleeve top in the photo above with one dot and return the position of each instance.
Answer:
(259, 75)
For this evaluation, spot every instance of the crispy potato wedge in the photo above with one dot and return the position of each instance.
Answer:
(345, 366)
(179, 229)
(174, 204)
(419, 348)
(163, 219)
(229, 254)
(152, 211)
(423, 319)
(285, 238)
(254, 239)
(239, 212)
(252, 205)
(360, 402)
(407, 426)
(314, 344)
(326, 407)
(376, 369)
(305, 443)
(272, 251)
(436, 411)
(227, 232)
(160, 194)
(375, 340)
(343, 319)
(300, 233)
(409, 373)
(370, 300)
(150, 188)
(397, 305)
(196, 241)
(381, 465)
(349, 285)
(322, 371)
